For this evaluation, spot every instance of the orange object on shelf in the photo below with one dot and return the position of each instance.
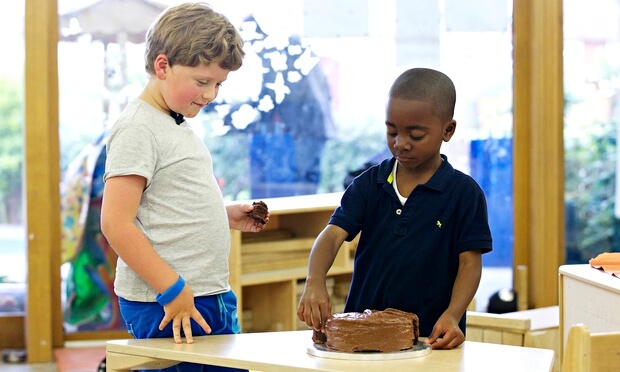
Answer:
(608, 262)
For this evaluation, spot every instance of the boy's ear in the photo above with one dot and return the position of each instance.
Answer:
(448, 130)
(161, 66)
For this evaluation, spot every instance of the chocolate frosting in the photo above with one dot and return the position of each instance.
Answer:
(373, 330)
(259, 213)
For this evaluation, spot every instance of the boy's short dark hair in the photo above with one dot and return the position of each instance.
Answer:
(427, 85)
(190, 34)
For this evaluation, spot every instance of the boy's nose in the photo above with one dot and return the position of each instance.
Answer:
(401, 145)
(209, 94)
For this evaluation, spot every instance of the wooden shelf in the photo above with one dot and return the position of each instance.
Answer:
(267, 269)
(297, 273)
(290, 245)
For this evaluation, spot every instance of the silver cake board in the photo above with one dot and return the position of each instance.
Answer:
(322, 351)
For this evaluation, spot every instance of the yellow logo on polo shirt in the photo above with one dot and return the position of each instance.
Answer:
(439, 224)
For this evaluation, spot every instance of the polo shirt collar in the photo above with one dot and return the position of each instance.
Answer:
(439, 181)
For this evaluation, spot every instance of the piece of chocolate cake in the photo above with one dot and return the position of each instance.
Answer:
(259, 213)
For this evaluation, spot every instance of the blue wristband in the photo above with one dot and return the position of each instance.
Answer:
(171, 293)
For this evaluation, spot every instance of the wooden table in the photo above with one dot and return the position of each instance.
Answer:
(287, 351)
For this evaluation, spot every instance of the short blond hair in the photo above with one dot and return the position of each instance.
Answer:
(190, 34)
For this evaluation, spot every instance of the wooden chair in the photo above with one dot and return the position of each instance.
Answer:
(595, 352)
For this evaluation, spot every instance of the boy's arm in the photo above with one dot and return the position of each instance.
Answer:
(314, 307)
(121, 198)
(464, 290)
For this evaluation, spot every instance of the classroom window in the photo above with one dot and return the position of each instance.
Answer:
(306, 109)
(591, 122)
(12, 220)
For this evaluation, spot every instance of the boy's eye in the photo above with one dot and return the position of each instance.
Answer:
(416, 136)
(203, 83)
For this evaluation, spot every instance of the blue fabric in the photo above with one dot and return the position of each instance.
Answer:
(408, 256)
(220, 312)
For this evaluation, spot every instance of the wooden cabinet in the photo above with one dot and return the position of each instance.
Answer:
(12, 331)
(268, 269)
(589, 296)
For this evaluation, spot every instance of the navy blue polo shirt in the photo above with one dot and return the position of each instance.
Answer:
(408, 255)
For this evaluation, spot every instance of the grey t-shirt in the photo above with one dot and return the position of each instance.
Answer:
(182, 211)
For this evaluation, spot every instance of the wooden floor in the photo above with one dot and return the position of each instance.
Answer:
(70, 359)
(79, 359)
(39, 367)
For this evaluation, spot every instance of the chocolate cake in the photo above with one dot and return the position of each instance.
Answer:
(259, 213)
(373, 330)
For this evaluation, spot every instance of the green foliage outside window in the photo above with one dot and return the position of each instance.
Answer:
(11, 151)
(590, 187)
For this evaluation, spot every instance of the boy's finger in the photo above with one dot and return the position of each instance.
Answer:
(201, 322)
(176, 331)
(431, 338)
(164, 322)
(187, 329)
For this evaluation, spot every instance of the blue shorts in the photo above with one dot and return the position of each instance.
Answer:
(220, 312)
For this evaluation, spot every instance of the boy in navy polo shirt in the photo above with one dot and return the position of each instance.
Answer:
(423, 224)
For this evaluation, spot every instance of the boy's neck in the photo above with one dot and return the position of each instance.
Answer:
(151, 95)
(410, 178)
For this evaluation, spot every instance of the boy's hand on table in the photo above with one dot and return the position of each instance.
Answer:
(446, 334)
(180, 311)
